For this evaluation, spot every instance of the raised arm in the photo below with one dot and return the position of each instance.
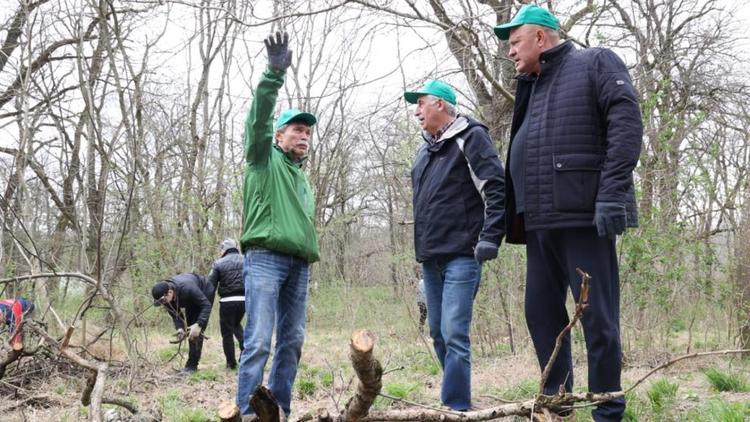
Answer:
(259, 121)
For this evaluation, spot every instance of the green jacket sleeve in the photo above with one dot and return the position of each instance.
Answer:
(259, 121)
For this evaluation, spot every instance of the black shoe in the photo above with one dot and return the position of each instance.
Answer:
(232, 366)
(188, 371)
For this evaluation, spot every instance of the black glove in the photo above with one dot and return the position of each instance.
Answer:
(484, 251)
(610, 218)
(279, 54)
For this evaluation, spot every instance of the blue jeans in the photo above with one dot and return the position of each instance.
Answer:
(275, 294)
(450, 286)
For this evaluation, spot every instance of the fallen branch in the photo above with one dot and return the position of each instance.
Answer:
(12, 356)
(92, 395)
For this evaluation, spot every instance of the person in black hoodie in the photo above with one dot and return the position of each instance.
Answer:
(226, 277)
(457, 183)
(187, 297)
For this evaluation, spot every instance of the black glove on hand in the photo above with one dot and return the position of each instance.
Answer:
(279, 54)
(484, 251)
(610, 219)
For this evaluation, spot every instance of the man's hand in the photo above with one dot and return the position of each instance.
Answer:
(484, 251)
(279, 54)
(180, 333)
(610, 219)
(195, 332)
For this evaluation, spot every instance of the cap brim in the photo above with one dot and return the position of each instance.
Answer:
(306, 118)
(413, 96)
(503, 31)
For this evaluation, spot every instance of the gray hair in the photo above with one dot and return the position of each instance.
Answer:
(281, 128)
(449, 108)
(552, 33)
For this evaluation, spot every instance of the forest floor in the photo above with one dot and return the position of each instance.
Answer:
(325, 380)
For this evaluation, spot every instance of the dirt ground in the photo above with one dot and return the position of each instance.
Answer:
(160, 390)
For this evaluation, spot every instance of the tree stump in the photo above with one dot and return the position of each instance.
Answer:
(265, 405)
(369, 372)
(229, 412)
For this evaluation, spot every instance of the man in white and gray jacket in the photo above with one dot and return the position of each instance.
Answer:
(226, 277)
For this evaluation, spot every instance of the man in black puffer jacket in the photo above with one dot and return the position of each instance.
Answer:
(226, 277)
(187, 297)
(457, 183)
(575, 139)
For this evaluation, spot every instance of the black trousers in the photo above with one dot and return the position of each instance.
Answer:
(422, 313)
(195, 347)
(552, 258)
(230, 321)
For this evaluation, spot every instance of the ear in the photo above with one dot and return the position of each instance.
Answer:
(541, 37)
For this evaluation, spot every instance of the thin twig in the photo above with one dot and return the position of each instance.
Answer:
(583, 301)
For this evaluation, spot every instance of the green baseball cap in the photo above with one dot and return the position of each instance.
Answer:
(432, 87)
(294, 115)
(529, 14)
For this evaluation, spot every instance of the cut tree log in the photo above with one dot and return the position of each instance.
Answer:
(265, 405)
(369, 372)
(229, 412)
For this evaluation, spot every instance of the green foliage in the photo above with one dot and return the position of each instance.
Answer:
(720, 411)
(723, 381)
(661, 394)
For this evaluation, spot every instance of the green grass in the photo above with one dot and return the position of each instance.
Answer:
(524, 390)
(176, 409)
(167, 353)
(361, 304)
(724, 381)
(401, 390)
(306, 386)
(661, 394)
(634, 407)
(720, 411)
(204, 375)
(326, 379)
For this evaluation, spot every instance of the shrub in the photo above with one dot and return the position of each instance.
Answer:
(661, 394)
(722, 381)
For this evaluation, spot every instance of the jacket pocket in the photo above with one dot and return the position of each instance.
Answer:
(575, 181)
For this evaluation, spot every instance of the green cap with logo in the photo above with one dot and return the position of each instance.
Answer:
(432, 87)
(529, 14)
(294, 115)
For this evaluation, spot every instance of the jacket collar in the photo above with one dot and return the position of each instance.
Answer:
(458, 125)
(288, 154)
(555, 54)
(548, 58)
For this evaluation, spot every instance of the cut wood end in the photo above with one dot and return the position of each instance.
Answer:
(363, 341)
(228, 410)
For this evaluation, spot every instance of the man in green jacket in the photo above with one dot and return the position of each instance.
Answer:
(278, 235)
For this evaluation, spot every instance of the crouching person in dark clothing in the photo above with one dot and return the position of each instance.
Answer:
(188, 298)
(226, 278)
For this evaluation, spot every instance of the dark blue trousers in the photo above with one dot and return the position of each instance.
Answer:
(552, 258)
